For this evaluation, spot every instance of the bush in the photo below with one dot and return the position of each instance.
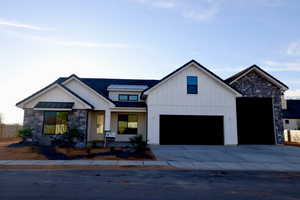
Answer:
(25, 133)
(138, 144)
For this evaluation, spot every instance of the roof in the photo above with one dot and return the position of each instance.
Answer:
(245, 71)
(130, 104)
(100, 85)
(293, 109)
(127, 87)
(58, 84)
(202, 67)
(54, 105)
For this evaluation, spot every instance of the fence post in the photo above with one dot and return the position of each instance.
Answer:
(289, 135)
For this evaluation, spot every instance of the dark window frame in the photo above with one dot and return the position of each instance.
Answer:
(287, 121)
(128, 97)
(137, 121)
(56, 111)
(192, 88)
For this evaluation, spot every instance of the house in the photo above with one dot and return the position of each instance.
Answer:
(191, 105)
(291, 115)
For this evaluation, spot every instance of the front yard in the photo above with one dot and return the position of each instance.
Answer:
(14, 149)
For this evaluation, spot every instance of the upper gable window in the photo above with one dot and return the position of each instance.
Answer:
(127, 97)
(192, 84)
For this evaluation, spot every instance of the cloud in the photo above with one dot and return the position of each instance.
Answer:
(93, 44)
(164, 4)
(23, 26)
(294, 49)
(282, 66)
(67, 43)
(198, 10)
(292, 94)
(272, 3)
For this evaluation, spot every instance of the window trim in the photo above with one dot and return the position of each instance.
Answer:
(193, 85)
(43, 133)
(118, 132)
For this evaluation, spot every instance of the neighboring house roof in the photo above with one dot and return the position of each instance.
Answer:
(38, 93)
(263, 73)
(293, 109)
(54, 105)
(216, 77)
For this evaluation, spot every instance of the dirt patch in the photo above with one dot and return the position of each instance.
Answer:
(14, 149)
(83, 167)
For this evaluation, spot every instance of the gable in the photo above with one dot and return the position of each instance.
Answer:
(199, 67)
(55, 93)
(253, 84)
(174, 90)
(99, 102)
(255, 69)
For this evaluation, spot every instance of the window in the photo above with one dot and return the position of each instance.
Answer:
(287, 121)
(133, 98)
(99, 123)
(192, 84)
(127, 97)
(127, 124)
(123, 97)
(55, 122)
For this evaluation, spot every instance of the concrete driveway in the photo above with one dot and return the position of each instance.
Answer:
(245, 157)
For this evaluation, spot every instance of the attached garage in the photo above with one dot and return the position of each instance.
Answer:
(255, 121)
(193, 130)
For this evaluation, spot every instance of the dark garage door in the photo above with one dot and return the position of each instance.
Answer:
(255, 121)
(179, 129)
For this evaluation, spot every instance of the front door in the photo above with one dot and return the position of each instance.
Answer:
(97, 126)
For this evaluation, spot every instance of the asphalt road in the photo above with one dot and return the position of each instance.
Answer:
(147, 184)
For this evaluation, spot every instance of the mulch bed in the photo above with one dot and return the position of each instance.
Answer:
(63, 167)
(14, 149)
(297, 144)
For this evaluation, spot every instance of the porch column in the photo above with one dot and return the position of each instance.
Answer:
(107, 120)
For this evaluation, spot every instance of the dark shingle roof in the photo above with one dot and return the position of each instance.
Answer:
(54, 105)
(100, 84)
(130, 104)
(293, 109)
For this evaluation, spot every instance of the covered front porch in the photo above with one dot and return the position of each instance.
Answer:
(123, 123)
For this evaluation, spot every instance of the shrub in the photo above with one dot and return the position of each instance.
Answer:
(138, 144)
(25, 133)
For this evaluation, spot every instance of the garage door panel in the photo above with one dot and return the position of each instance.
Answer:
(255, 121)
(179, 129)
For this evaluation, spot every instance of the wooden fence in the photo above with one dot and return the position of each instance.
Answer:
(292, 136)
(9, 130)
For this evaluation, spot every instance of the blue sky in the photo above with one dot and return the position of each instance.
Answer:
(43, 40)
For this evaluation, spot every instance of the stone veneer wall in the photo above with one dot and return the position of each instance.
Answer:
(34, 119)
(254, 85)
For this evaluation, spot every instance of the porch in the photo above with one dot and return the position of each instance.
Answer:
(124, 124)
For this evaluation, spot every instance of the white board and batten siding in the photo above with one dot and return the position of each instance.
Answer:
(98, 102)
(213, 99)
(55, 94)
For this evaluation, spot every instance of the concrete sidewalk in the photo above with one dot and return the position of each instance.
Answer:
(247, 166)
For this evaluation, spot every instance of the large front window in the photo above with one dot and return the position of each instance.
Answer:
(55, 122)
(127, 123)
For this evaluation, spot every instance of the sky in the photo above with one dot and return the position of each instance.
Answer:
(145, 39)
